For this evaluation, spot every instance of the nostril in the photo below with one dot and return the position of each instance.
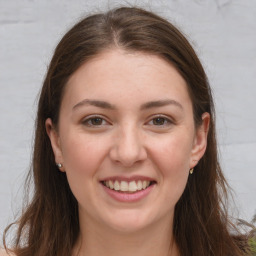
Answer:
(128, 146)
(128, 156)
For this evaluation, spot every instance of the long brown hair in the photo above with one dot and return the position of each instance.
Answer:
(49, 224)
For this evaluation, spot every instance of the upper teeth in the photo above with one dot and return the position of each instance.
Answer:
(131, 186)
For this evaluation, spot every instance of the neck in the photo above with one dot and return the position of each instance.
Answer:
(97, 240)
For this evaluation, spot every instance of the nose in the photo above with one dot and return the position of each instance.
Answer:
(128, 147)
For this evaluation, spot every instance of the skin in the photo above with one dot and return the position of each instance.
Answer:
(127, 139)
(4, 253)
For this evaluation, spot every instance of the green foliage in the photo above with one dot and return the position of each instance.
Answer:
(251, 234)
(252, 244)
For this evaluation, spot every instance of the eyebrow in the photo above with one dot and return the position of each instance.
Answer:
(147, 105)
(96, 103)
(160, 103)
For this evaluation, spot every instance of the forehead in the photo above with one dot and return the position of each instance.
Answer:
(117, 74)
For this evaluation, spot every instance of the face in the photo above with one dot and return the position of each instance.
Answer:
(126, 139)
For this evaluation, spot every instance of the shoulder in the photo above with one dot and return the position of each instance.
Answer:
(4, 253)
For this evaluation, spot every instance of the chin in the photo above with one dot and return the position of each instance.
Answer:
(129, 221)
(128, 227)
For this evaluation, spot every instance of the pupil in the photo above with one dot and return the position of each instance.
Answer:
(158, 121)
(96, 121)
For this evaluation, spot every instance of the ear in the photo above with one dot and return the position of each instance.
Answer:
(55, 141)
(200, 140)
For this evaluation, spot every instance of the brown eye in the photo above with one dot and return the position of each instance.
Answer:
(96, 121)
(159, 121)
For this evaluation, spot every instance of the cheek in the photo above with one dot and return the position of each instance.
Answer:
(171, 157)
(82, 154)
(172, 154)
(82, 158)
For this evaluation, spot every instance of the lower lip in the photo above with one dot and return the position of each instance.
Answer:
(128, 197)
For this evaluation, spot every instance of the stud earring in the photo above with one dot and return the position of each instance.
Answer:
(191, 170)
(59, 165)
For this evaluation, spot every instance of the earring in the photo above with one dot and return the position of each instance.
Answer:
(191, 170)
(59, 165)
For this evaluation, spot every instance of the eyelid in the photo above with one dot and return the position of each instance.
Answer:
(167, 118)
(90, 117)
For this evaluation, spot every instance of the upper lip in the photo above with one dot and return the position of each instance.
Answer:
(128, 179)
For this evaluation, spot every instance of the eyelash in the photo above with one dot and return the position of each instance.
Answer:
(167, 121)
(89, 121)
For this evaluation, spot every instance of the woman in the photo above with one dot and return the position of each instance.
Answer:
(125, 159)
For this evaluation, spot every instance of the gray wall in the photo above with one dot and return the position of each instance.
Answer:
(223, 33)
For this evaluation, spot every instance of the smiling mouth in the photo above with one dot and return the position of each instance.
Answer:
(127, 187)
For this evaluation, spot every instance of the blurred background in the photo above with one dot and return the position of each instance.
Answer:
(223, 33)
